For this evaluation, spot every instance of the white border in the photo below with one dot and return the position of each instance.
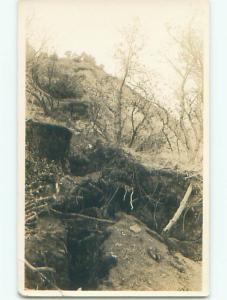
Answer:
(21, 175)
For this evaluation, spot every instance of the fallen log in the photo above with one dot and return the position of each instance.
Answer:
(179, 211)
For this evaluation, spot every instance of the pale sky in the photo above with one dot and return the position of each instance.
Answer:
(93, 26)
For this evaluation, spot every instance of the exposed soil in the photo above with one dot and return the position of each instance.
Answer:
(145, 264)
(96, 216)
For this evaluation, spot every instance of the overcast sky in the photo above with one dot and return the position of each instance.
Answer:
(93, 26)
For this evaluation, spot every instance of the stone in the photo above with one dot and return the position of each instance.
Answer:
(135, 228)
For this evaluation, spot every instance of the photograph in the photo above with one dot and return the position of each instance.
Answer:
(113, 135)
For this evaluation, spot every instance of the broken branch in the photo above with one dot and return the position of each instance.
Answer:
(179, 211)
(39, 269)
(75, 215)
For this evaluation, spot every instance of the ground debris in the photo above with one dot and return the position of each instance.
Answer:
(153, 252)
(145, 263)
(99, 226)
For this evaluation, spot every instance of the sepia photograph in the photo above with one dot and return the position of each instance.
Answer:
(113, 148)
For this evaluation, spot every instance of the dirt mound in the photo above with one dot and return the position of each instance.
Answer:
(144, 263)
(87, 255)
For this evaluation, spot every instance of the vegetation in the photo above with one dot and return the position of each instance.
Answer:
(105, 152)
(124, 110)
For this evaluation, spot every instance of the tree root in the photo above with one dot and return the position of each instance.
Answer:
(39, 269)
(75, 215)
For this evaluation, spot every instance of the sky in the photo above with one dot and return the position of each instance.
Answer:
(93, 26)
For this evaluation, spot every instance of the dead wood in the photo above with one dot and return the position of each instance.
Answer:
(151, 232)
(155, 235)
(178, 212)
(39, 269)
(30, 209)
(75, 215)
(31, 218)
(46, 199)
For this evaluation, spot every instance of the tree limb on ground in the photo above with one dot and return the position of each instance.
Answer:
(151, 232)
(75, 215)
(178, 212)
(39, 269)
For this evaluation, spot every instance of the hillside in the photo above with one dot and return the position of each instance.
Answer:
(114, 186)
(87, 208)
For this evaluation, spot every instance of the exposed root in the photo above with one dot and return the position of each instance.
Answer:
(131, 199)
(39, 269)
(75, 215)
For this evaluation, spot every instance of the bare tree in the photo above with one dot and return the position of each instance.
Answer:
(189, 68)
(101, 109)
(33, 87)
(115, 104)
(127, 56)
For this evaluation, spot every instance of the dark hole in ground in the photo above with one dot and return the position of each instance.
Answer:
(108, 183)
(88, 264)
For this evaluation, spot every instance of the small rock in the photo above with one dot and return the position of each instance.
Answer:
(108, 262)
(178, 266)
(135, 228)
(153, 252)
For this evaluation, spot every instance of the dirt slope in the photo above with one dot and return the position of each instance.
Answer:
(144, 263)
(72, 199)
